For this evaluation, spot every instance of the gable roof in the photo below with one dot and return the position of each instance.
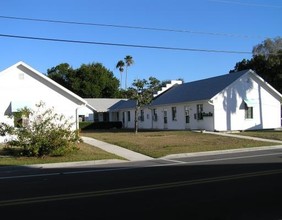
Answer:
(48, 82)
(270, 88)
(102, 104)
(198, 90)
(123, 104)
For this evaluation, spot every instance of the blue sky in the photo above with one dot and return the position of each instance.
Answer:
(223, 25)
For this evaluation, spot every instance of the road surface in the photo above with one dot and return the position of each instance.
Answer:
(225, 186)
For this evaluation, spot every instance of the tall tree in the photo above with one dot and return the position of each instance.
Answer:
(62, 74)
(266, 61)
(268, 47)
(88, 81)
(120, 66)
(129, 61)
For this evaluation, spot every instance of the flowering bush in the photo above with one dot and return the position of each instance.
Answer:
(42, 132)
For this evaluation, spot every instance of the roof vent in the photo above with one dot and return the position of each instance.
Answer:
(168, 86)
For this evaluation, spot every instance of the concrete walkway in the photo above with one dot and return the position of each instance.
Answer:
(114, 149)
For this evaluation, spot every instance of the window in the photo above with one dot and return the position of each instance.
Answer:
(142, 115)
(155, 116)
(123, 117)
(200, 111)
(165, 116)
(248, 112)
(249, 103)
(173, 110)
(187, 115)
(128, 115)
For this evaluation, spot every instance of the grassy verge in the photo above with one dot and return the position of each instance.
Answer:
(161, 143)
(85, 153)
(268, 134)
(152, 143)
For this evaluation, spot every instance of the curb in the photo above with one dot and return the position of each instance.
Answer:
(73, 164)
(218, 152)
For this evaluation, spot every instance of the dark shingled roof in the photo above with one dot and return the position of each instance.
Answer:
(123, 104)
(198, 90)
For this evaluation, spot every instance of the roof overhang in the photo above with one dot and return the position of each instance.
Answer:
(250, 102)
(16, 105)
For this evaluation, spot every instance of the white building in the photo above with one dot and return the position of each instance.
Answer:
(101, 113)
(22, 86)
(235, 101)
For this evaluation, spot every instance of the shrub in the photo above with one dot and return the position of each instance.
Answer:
(5, 129)
(100, 125)
(43, 132)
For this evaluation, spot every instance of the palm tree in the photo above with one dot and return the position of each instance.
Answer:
(129, 61)
(120, 66)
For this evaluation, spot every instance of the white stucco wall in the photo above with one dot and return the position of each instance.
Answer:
(230, 111)
(19, 88)
(179, 124)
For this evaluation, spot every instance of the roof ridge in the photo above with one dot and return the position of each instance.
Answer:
(242, 72)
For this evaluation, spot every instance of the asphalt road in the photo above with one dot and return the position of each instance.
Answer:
(225, 186)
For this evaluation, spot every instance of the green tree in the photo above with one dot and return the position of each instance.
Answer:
(129, 61)
(143, 92)
(266, 61)
(62, 74)
(120, 66)
(88, 81)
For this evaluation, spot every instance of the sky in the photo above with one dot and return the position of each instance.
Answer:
(168, 39)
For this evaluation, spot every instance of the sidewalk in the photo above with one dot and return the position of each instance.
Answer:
(243, 137)
(114, 149)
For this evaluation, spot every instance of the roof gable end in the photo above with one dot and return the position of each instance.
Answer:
(46, 81)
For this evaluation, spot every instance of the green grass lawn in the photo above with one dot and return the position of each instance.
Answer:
(152, 143)
(85, 153)
(161, 143)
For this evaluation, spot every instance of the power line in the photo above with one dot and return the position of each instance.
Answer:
(123, 45)
(128, 27)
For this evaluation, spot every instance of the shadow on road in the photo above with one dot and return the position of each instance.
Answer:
(149, 190)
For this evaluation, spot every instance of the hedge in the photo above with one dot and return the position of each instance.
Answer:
(99, 125)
